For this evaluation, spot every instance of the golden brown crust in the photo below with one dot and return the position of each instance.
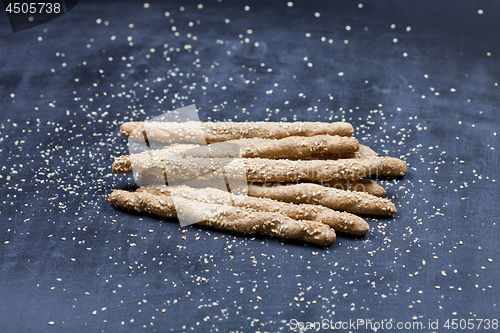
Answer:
(227, 217)
(267, 170)
(318, 169)
(362, 185)
(353, 202)
(291, 147)
(361, 153)
(340, 221)
(294, 147)
(224, 131)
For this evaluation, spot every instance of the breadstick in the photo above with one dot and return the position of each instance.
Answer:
(321, 170)
(362, 152)
(294, 147)
(340, 221)
(353, 202)
(224, 131)
(227, 217)
(290, 147)
(361, 185)
(151, 157)
(267, 170)
(365, 152)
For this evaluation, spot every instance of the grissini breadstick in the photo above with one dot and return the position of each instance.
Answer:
(224, 131)
(152, 157)
(267, 170)
(365, 152)
(227, 217)
(353, 202)
(362, 152)
(290, 147)
(340, 221)
(361, 185)
(295, 146)
(321, 170)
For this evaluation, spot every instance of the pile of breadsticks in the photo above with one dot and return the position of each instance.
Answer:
(305, 179)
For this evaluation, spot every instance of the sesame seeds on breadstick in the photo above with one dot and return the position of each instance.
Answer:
(340, 221)
(290, 147)
(360, 185)
(268, 170)
(320, 170)
(294, 147)
(362, 152)
(223, 131)
(353, 202)
(225, 217)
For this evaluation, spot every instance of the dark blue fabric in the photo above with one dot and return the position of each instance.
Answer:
(425, 90)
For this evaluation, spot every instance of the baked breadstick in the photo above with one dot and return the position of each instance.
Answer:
(226, 217)
(340, 221)
(294, 147)
(266, 170)
(290, 147)
(151, 157)
(223, 131)
(353, 202)
(361, 185)
(362, 152)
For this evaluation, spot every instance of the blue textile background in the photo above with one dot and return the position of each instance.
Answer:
(418, 80)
